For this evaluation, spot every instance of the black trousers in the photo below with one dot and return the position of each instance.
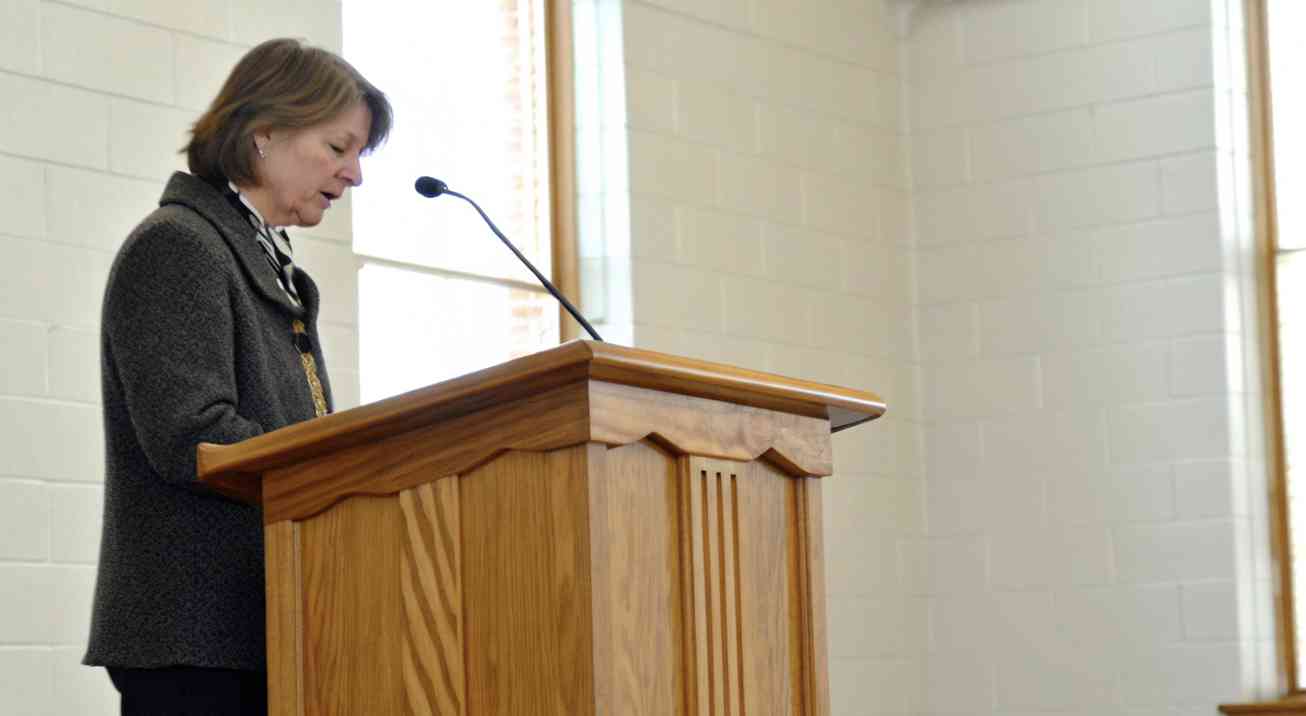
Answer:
(191, 691)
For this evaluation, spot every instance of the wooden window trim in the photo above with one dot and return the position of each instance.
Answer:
(561, 96)
(1293, 701)
(1282, 707)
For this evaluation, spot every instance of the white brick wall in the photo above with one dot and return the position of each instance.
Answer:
(1090, 447)
(1013, 224)
(770, 227)
(99, 96)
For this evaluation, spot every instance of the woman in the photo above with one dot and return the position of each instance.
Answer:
(209, 334)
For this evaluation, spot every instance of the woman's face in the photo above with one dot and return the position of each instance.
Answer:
(303, 170)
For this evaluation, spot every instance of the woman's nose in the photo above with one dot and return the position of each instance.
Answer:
(353, 172)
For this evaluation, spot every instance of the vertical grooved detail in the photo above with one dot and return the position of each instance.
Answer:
(757, 623)
(803, 663)
(731, 662)
(713, 690)
(723, 562)
(739, 592)
(814, 657)
(432, 595)
(715, 517)
(684, 534)
(698, 674)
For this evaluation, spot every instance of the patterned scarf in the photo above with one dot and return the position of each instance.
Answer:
(275, 243)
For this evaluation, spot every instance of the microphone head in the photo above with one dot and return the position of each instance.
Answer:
(430, 187)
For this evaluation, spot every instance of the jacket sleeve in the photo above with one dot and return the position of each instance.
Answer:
(168, 318)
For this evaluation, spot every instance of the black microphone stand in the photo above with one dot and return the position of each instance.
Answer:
(430, 187)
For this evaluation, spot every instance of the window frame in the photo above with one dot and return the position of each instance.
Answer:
(1261, 117)
(560, 66)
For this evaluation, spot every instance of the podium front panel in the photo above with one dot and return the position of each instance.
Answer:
(592, 579)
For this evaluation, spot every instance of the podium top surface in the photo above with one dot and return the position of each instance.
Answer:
(570, 362)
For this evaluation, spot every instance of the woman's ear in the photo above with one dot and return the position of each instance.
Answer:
(262, 138)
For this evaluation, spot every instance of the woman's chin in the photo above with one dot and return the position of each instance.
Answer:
(307, 219)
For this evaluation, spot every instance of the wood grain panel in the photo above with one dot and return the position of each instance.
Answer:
(812, 551)
(635, 556)
(758, 637)
(622, 414)
(527, 587)
(549, 420)
(603, 612)
(699, 697)
(727, 493)
(802, 671)
(770, 669)
(431, 580)
(351, 558)
(285, 630)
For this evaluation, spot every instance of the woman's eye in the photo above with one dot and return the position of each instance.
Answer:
(337, 150)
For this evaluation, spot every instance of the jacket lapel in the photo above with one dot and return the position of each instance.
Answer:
(206, 200)
(308, 293)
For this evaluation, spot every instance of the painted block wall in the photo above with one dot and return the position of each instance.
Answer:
(1018, 213)
(98, 98)
(1094, 477)
(763, 218)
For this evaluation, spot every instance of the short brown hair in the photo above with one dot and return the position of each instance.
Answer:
(280, 84)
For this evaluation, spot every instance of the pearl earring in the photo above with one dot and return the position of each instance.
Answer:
(261, 154)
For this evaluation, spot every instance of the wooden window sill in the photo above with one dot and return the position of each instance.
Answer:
(1292, 706)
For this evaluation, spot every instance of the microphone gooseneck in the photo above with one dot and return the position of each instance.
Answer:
(430, 187)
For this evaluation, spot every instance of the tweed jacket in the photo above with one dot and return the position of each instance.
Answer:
(196, 346)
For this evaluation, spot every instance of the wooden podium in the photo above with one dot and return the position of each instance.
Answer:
(588, 530)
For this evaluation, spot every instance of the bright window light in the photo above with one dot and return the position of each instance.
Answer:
(439, 295)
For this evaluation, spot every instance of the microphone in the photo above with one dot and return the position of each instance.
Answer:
(430, 187)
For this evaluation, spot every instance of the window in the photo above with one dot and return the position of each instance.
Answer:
(1279, 111)
(439, 295)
